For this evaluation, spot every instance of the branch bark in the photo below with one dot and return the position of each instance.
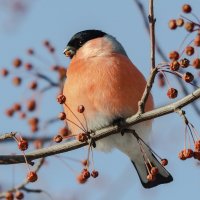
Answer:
(69, 146)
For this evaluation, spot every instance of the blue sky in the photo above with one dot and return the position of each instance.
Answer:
(58, 21)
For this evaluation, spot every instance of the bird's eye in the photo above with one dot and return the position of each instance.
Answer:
(80, 42)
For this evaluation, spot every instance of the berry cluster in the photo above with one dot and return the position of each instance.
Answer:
(191, 143)
(83, 136)
(180, 60)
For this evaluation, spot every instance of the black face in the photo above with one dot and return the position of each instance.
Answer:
(80, 38)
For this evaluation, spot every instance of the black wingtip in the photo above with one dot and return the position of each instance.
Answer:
(158, 181)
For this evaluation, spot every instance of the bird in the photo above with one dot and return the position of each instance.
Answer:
(102, 78)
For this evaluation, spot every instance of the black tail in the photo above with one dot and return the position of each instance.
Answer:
(162, 177)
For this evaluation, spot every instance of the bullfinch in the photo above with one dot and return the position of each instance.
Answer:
(101, 77)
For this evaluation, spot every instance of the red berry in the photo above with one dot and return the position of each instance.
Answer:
(62, 116)
(172, 24)
(17, 62)
(179, 22)
(188, 77)
(28, 66)
(197, 41)
(16, 81)
(81, 108)
(31, 105)
(94, 173)
(197, 145)
(81, 179)
(189, 50)
(64, 132)
(189, 26)
(16, 107)
(181, 155)
(173, 55)
(196, 63)
(23, 144)
(174, 65)
(164, 162)
(196, 155)
(57, 138)
(9, 196)
(4, 72)
(85, 173)
(61, 99)
(150, 177)
(172, 93)
(33, 85)
(32, 176)
(154, 171)
(82, 137)
(188, 153)
(186, 8)
(19, 195)
(184, 63)
(9, 112)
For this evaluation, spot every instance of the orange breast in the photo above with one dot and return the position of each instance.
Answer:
(108, 86)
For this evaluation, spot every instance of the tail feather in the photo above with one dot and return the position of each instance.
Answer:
(161, 178)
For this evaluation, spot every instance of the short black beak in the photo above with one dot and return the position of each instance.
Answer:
(69, 51)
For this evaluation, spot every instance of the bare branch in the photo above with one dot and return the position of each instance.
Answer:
(69, 146)
(152, 21)
(7, 136)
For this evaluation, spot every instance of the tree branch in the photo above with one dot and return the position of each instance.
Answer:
(69, 146)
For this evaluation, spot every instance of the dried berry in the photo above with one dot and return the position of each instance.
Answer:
(150, 177)
(9, 112)
(84, 162)
(62, 116)
(94, 173)
(172, 93)
(46, 43)
(30, 51)
(4, 72)
(22, 115)
(181, 155)
(172, 24)
(174, 55)
(57, 138)
(31, 105)
(28, 66)
(16, 81)
(16, 107)
(64, 132)
(164, 162)
(81, 108)
(197, 41)
(196, 63)
(38, 144)
(179, 22)
(19, 195)
(17, 62)
(197, 145)
(33, 85)
(9, 196)
(32, 176)
(196, 155)
(61, 99)
(188, 153)
(186, 8)
(174, 65)
(82, 137)
(189, 26)
(85, 173)
(189, 50)
(188, 77)
(154, 171)
(81, 179)
(23, 144)
(184, 63)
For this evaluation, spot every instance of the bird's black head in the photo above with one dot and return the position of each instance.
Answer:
(79, 39)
